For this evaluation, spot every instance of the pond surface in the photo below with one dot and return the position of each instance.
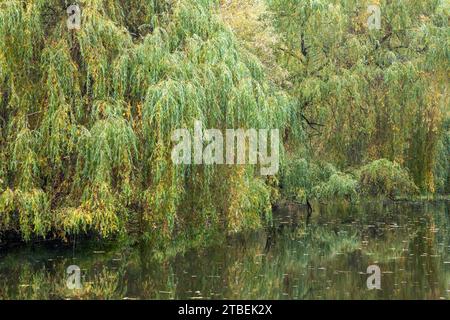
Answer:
(324, 258)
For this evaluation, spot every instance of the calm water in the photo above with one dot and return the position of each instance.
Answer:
(324, 258)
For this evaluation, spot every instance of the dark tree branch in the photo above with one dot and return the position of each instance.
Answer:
(311, 124)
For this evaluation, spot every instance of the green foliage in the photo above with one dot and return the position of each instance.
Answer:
(442, 167)
(338, 186)
(298, 179)
(303, 180)
(252, 23)
(368, 94)
(25, 212)
(385, 178)
(87, 118)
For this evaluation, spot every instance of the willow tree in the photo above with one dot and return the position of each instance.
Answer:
(87, 117)
(367, 93)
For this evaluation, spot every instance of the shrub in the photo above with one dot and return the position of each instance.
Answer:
(338, 186)
(304, 180)
(385, 178)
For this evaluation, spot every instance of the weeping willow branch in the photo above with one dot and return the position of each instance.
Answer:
(88, 117)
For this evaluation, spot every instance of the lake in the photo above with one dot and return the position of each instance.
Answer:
(323, 257)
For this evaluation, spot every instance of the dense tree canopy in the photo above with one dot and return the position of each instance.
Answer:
(87, 118)
(87, 115)
(370, 94)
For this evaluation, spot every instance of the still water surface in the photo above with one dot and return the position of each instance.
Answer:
(323, 258)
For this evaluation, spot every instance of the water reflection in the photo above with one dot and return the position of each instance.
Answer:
(326, 258)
